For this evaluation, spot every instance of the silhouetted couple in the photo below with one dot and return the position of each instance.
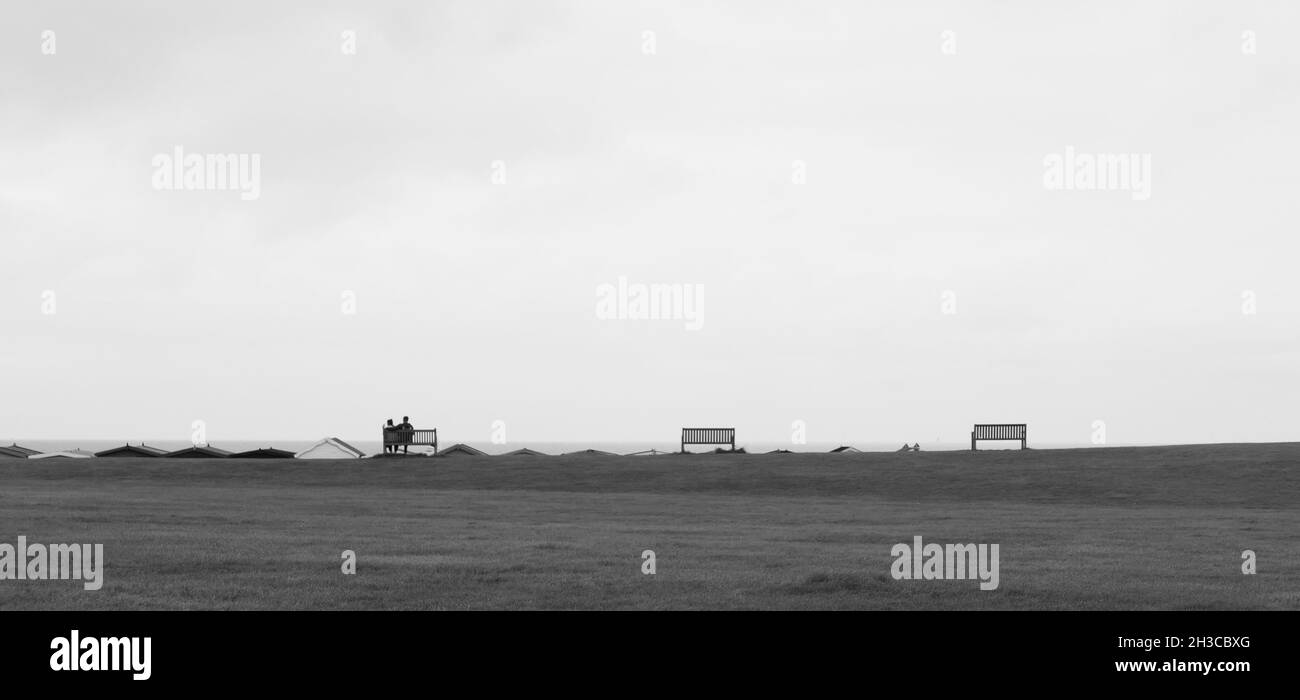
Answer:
(404, 425)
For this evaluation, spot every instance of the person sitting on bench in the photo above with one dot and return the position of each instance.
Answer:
(405, 425)
(388, 428)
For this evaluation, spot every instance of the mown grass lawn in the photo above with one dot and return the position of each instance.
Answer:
(1107, 528)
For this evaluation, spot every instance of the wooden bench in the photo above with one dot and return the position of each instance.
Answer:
(408, 438)
(709, 436)
(999, 431)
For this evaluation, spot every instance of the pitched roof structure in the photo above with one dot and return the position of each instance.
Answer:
(60, 454)
(200, 451)
(526, 451)
(263, 453)
(589, 452)
(21, 450)
(462, 449)
(363, 454)
(129, 450)
(845, 449)
(330, 448)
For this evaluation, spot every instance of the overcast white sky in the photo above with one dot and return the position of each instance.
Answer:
(476, 301)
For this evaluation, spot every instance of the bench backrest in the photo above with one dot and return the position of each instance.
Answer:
(708, 436)
(1000, 431)
(412, 437)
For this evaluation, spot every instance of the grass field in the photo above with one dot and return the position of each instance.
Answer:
(1107, 528)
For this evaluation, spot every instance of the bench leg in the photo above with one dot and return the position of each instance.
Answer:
(972, 442)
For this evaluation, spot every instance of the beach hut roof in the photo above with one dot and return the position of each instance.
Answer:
(200, 451)
(71, 454)
(349, 447)
(462, 449)
(348, 451)
(526, 451)
(129, 450)
(263, 453)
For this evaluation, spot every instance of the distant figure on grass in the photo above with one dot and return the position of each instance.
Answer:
(387, 429)
(405, 425)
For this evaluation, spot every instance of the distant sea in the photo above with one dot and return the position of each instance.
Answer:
(554, 448)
